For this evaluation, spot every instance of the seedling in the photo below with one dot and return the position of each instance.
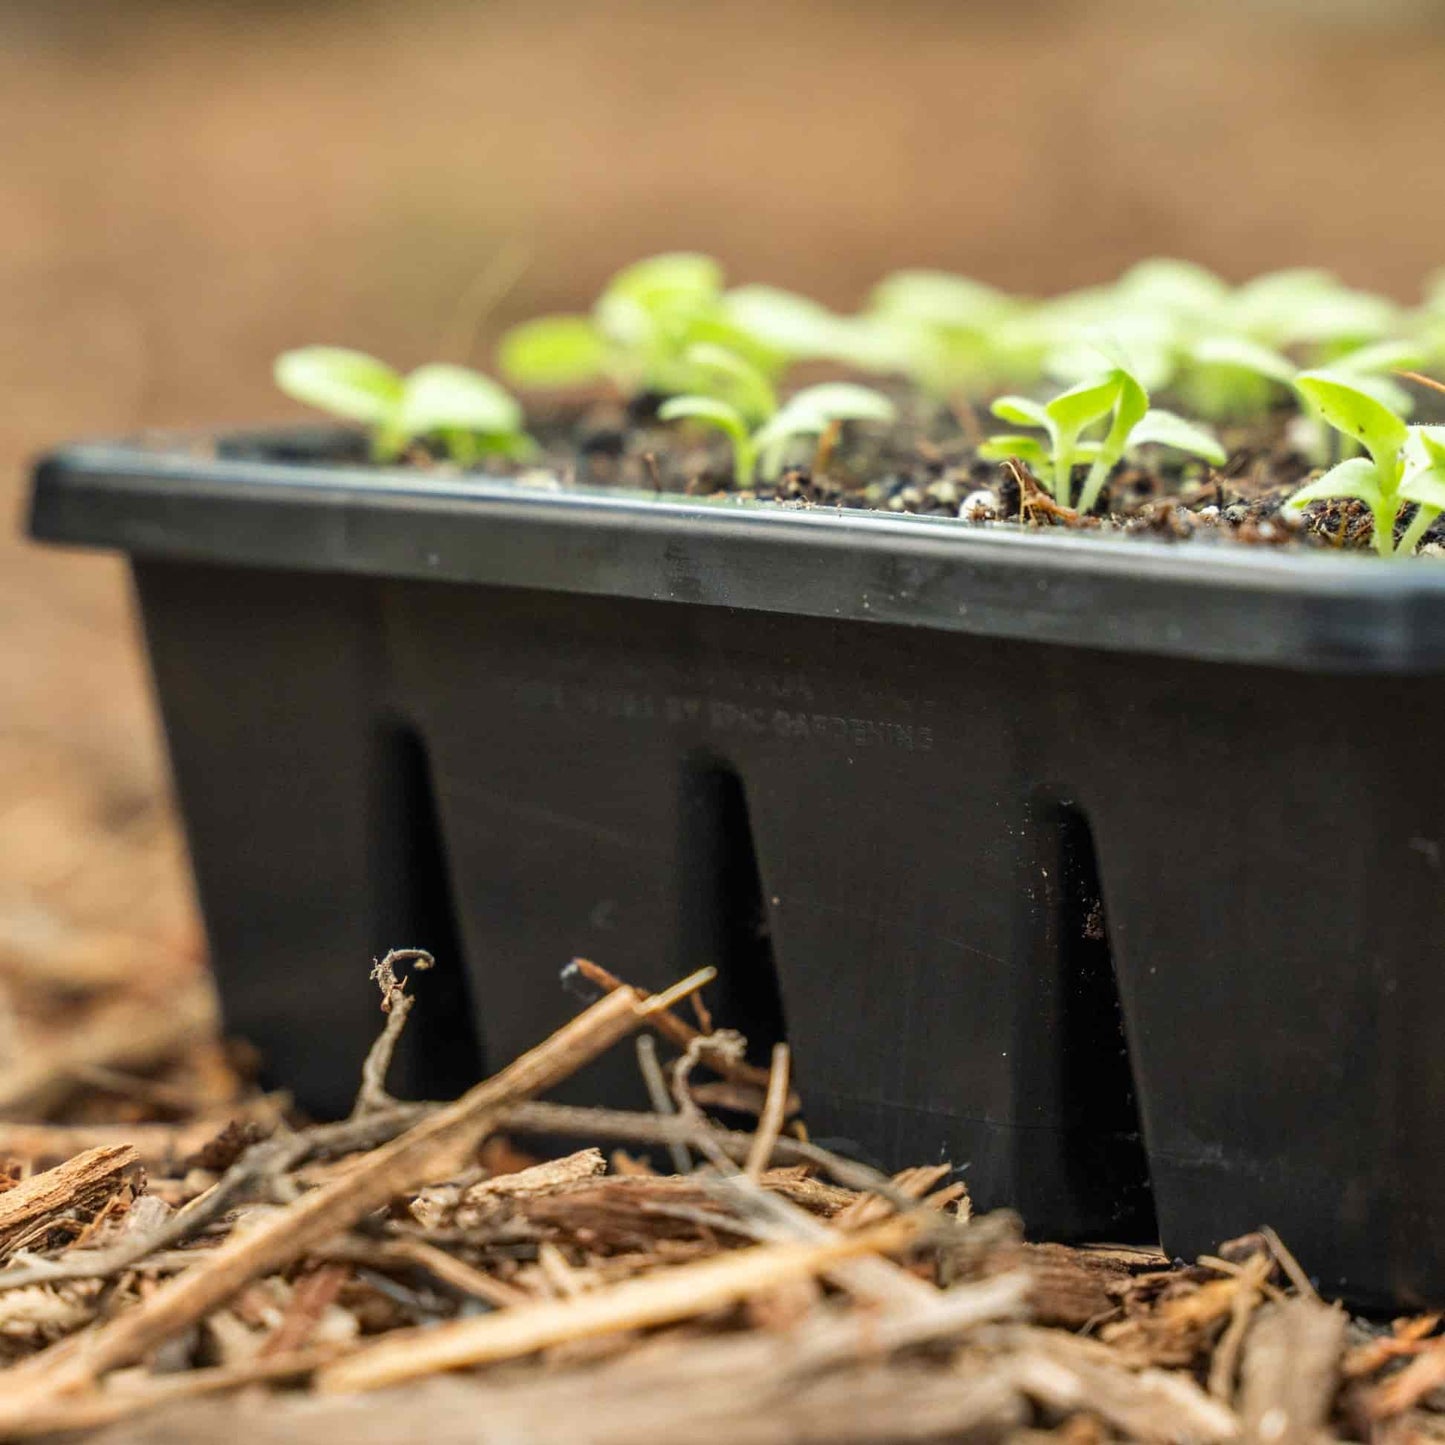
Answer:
(1403, 464)
(468, 413)
(1370, 368)
(952, 335)
(639, 328)
(1237, 365)
(758, 428)
(726, 377)
(1224, 352)
(651, 316)
(1230, 378)
(1423, 482)
(1169, 287)
(796, 328)
(1153, 311)
(668, 326)
(1309, 308)
(1118, 397)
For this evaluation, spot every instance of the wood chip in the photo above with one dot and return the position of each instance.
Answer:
(79, 1186)
(1067, 1375)
(1290, 1370)
(1424, 1374)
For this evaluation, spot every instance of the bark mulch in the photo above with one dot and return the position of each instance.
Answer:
(232, 1273)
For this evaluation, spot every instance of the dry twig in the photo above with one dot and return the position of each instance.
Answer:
(396, 1004)
(685, 1036)
(435, 1146)
(770, 1122)
(669, 1295)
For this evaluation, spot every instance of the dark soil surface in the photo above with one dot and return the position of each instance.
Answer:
(927, 464)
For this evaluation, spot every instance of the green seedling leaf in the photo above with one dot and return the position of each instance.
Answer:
(1021, 411)
(784, 321)
(1285, 286)
(704, 408)
(1131, 403)
(345, 383)
(1388, 392)
(832, 401)
(1365, 367)
(1428, 443)
(625, 322)
(441, 397)
(1346, 403)
(873, 343)
(939, 299)
(1423, 483)
(1354, 478)
(1131, 406)
(515, 445)
(468, 447)
(727, 419)
(1064, 418)
(665, 282)
(881, 345)
(1179, 288)
(1084, 404)
(794, 328)
(1089, 342)
(811, 411)
(1114, 348)
(1426, 487)
(468, 411)
(1231, 378)
(651, 312)
(1347, 317)
(1350, 408)
(1245, 355)
(713, 327)
(735, 380)
(1308, 306)
(1068, 414)
(946, 332)
(1029, 450)
(553, 351)
(1164, 428)
(1382, 356)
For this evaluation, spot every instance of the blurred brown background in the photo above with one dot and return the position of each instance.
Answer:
(186, 189)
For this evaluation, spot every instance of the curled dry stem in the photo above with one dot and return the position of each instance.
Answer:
(396, 1004)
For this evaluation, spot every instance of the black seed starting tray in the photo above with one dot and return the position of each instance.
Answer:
(1108, 868)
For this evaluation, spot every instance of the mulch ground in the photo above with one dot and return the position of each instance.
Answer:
(181, 1257)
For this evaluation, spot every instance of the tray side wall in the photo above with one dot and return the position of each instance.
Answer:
(1267, 847)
